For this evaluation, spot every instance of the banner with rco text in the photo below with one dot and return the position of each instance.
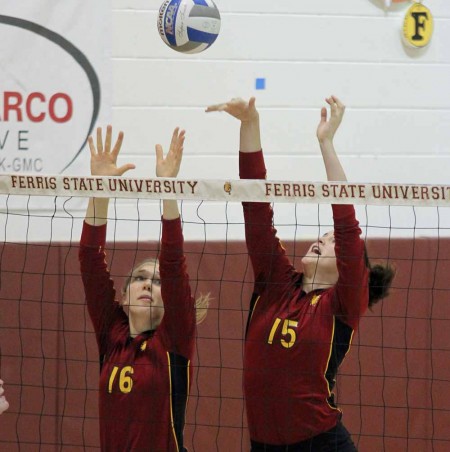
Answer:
(55, 83)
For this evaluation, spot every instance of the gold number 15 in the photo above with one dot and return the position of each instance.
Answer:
(287, 331)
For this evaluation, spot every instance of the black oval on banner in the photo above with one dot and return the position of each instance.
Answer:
(76, 54)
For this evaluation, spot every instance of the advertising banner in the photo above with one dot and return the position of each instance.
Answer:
(55, 83)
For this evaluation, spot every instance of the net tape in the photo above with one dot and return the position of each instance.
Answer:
(227, 190)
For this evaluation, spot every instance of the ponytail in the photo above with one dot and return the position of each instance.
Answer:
(380, 280)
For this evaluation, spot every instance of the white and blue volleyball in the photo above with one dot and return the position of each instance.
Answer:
(189, 26)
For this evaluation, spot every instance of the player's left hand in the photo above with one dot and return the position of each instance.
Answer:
(104, 155)
(238, 108)
(169, 165)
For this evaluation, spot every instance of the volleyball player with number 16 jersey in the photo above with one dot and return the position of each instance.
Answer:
(146, 338)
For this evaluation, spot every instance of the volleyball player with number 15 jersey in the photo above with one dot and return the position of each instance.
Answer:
(300, 324)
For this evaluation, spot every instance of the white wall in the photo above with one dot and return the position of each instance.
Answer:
(397, 124)
(398, 100)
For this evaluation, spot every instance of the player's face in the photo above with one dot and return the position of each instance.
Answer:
(321, 258)
(143, 296)
(4, 405)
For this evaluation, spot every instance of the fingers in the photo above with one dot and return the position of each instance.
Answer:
(338, 102)
(100, 149)
(118, 144)
(181, 138)
(323, 114)
(169, 165)
(174, 136)
(99, 140)
(177, 142)
(333, 101)
(216, 107)
(92, 146)
(108, 139)
(336, 106)
(176, 145)
(123, 169)
(235, 102)
(330, 101)
(159, 153)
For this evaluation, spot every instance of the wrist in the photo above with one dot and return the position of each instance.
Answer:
(170, 209)
(250, 127)
(254, 119)
(325, 141)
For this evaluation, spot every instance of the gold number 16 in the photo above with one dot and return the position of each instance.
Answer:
(125, 380)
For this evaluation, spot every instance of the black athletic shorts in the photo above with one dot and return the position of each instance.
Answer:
(337, 439)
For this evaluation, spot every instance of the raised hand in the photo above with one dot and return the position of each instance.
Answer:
(4, 405)
(328, 127)
(103, 159)
(238, 108)
(169, 165)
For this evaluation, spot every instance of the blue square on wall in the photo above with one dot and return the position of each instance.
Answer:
(260, 83)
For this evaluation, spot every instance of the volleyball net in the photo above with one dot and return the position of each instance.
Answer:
(393, 387)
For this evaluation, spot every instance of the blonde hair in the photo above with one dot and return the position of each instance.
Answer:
(201, 303)
(201, 307)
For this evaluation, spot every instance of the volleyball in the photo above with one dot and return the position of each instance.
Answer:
(189, 26)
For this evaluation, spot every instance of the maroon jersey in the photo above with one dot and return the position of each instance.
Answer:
(296, 341)
(145, 380)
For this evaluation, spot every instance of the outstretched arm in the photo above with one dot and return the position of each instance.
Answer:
(351, 289)
(268, 257)
(325, 134)
(98, 286)
(103, 163)
(175, 289)
(246, 112)
(169, 166)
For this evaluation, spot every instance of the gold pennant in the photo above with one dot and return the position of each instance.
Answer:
(418, 26)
